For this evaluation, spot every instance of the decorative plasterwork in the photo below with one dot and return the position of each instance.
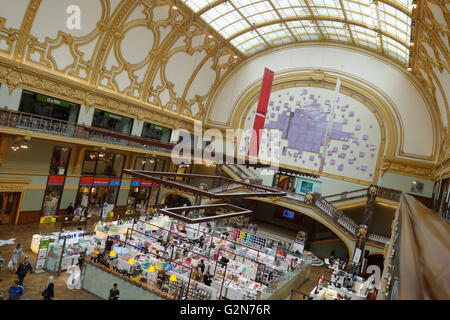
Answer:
(13, 184)
(63, 88)
(111, 65)
(407, 167)
(428, 66)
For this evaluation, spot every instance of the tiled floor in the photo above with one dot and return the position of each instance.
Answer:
(35, 283)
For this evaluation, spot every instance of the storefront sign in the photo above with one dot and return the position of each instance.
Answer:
(101, 181)
(73, 236)
(42, 98)
(56, 180)
(114, 182)
(113, 116)
(149, 183)
(42, 254)
(135, 183)
(86, 181)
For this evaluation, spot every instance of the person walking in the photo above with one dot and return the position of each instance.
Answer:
(69, 211)
(48, 292)
(78, 212)
(15, 291)
(114, 293)
(16, 255)
(22, 270)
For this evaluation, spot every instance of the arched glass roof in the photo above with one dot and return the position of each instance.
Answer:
(251, 26)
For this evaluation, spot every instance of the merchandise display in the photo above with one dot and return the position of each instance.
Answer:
(342, 286)
(194, 261)
(92, 245)
(34, 246)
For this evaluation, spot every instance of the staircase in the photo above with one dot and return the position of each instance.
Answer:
(241, 172)
(382, 192)
(323, 205)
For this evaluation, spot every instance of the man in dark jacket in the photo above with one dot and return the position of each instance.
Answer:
(70, 210)
(22, 270)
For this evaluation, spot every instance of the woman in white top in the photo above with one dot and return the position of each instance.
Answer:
(16, 255)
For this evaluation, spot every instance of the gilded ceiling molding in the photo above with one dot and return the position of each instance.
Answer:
(28, 77)
(427, 30)
(109, 34)
(25, 28)
(407, 167)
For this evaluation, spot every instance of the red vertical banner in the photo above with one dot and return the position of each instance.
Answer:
(261, 111)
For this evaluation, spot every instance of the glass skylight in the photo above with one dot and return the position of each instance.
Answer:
(251, 26)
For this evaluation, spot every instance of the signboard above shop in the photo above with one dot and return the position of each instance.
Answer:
(43, 98)
(144, 183)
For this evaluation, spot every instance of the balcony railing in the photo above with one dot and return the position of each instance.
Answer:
(347, 195)
(28, 121)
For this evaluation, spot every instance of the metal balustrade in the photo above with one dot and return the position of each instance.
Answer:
(27, 121)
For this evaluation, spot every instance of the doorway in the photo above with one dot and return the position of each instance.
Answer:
(9, 205)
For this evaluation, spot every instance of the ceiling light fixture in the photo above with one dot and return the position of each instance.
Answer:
(174, 7)
(15, 147)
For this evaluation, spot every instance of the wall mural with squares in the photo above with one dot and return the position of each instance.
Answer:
(302, 115)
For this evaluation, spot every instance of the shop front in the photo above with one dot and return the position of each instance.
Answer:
(100, 182)
(55, 184)
(44, 106)
(98, 194)
(143, 193)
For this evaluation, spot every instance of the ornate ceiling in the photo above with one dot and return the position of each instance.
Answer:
(166, 56)
(255, 25)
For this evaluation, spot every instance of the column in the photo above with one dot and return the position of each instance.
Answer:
(10, 101)
(370, 206)
(137, 127)
(86, 115)
(358, 254)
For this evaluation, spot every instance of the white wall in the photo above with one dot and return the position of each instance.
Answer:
(403, 183)
(10, 101)
(333, 186)
(137, 127)
(86, 116)
(353, 154)
(357, 65)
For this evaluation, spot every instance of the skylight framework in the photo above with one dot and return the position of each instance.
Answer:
(251, 26)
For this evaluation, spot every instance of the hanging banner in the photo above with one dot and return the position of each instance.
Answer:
(357, 255)
(260, 118)
(105, 210)
(42, 255)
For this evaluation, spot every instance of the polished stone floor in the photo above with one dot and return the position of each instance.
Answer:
(35, 283)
